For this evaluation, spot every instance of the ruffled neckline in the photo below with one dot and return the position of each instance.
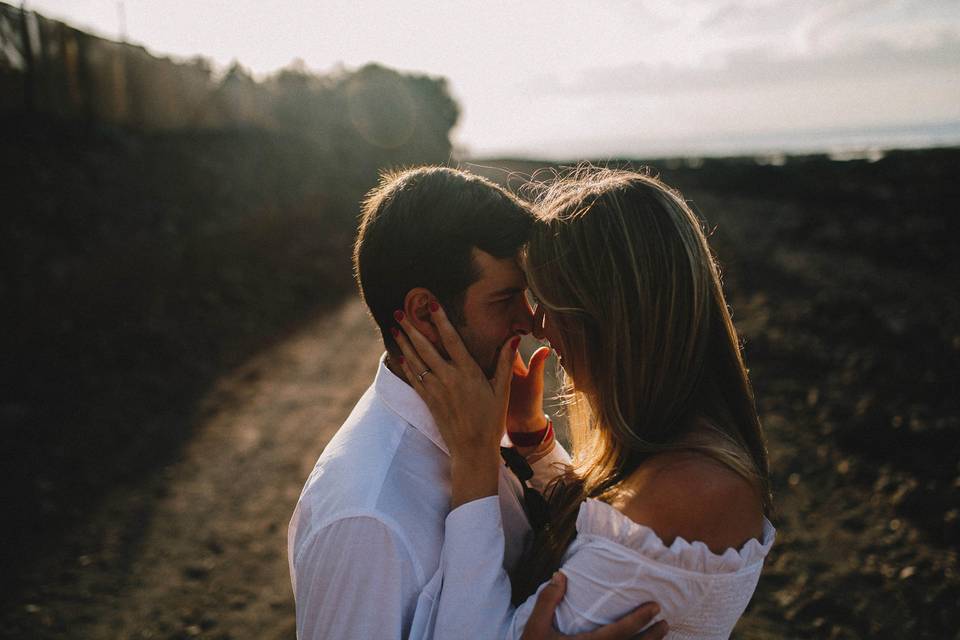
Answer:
(599, 519)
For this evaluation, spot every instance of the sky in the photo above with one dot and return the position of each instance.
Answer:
(566, 78)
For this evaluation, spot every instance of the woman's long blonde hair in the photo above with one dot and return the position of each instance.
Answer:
(623, 266)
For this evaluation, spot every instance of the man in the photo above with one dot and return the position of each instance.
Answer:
(366, 537)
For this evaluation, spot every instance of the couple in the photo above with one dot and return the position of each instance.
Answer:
(412, 525)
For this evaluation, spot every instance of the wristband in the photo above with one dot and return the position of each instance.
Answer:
(532, 438)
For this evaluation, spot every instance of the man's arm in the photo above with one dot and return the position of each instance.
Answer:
(354, 578)
(540, 623)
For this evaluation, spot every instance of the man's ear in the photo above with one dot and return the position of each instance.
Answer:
(416, 305)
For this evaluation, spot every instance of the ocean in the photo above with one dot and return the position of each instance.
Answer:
(838, 143)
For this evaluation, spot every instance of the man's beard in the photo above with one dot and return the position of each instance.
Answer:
(485, 358)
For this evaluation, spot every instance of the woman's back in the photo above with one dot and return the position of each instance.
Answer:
(684, 494)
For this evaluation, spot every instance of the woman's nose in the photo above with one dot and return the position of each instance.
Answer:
(538, 323)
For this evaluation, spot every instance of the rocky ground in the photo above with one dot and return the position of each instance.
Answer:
(842, 281)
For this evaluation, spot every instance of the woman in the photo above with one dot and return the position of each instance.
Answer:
(669, 493)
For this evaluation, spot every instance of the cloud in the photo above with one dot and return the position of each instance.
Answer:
(739, 13)
(834, 15)
(818, 25)
(763, 66)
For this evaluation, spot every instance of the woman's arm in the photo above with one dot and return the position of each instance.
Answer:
(470, 411)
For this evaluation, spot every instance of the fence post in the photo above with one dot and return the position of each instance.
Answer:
(29, 81)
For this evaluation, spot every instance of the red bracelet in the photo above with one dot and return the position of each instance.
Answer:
(532, 438)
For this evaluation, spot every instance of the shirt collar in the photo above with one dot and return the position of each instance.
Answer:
(401, 398)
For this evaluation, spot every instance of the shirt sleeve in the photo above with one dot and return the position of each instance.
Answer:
(603, 583)
(355, 578)
(474, 599)
(549, 467)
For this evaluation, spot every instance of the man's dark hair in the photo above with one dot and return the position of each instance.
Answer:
(418, 229)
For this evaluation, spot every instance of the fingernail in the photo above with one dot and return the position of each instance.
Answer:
(395, 332)
(555, 579)
(655, 609)
(515, 343)
(398, 315)
(434, 307)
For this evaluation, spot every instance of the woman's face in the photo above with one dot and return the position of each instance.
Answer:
(546, 328)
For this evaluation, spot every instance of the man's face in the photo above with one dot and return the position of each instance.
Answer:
(494, 308)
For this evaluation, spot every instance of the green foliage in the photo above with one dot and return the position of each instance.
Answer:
(135, 266)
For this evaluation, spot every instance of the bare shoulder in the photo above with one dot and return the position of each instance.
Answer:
(689, 495)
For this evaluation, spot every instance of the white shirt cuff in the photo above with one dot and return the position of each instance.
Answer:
(468, 519)
(549, 467)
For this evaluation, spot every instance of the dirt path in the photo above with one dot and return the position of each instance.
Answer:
(201, 549)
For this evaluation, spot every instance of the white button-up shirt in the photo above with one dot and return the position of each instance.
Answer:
(365, 540)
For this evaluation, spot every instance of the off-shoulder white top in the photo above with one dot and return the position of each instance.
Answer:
(616, 564)
(613, 566)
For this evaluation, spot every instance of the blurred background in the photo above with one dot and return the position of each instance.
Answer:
(180, 185)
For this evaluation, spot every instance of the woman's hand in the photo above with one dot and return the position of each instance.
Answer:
(470, 410)
(525, 411)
